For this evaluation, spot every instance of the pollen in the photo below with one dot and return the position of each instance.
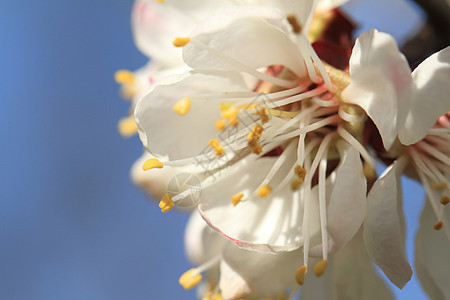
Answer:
(296, 27)
(262, 113)
(445, 200)
(237, 198)
(152, 163)
(254, 135)
(438, 225)
(300, 172)
(234, 122)
(320, 267)
(296, 184)
(438, 185)
(300, 274)
(182, 106)
(257, 149)
(230, 113)
(220, 125)
(124, 77)
(264, 191)
(218, 150)
(166, 203)
(181, 41)
(190, 279)
(127, 126)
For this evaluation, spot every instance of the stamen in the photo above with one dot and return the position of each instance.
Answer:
(127, 126)
(296, 98)
(254, 135)
(438, 225)
(307, 199)
(182, 106)
(181, 41)
(236, 199)
(244, 68)
(152, 163)
(190, 279)
(220, 125)
(445, 200)
(264, 191)
(354, 142)
(438, 185)
(300, 274)
(320, 267)
(323, 207)
(300, 172)
(434, 152)
(218, 150)
(124, 77)
(160, 1)
(166, 203)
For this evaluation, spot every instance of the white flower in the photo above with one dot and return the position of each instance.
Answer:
(254, 74)
(406, 106)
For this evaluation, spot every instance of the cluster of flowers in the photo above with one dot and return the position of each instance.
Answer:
(280, 116)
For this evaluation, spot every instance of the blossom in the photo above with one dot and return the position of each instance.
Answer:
(289, 176)
(414, 118)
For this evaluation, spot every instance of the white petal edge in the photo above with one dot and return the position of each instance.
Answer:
(430, 96)
(384, 226)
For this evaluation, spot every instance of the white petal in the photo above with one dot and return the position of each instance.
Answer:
(354, 276)
(431, 258)
(269, 224)
(255, 36)
(155, 25)
(300, 9)
(254, 275)
(384, 226)
(329, 4)
(347, 202)
(380, 83)
(154, 182)
(430, 97)
(164, 132)
(201, 243)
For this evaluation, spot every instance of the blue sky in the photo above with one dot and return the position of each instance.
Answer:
(72, 226)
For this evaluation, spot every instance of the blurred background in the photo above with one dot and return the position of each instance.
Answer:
(72, 226)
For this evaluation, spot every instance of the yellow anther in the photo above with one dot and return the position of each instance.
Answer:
(190, 279)
(296, 183)
(124, 76)
(254, 135)
(221, 125)
(234, 122)
(438, 185)
(160, 1)
(369, 171)
(438, 225)
(225, 106)
(257, 149)
(237, 198)
(300, 274)
(152, 163)
(166, 203)
(300, 172)
(181, 41)
(182, 106)
(263, 115)
(230, 114)
(264, 191)
(218, 150)
(320, 267)
(217, 297)
(127, 126)
(445, 200)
